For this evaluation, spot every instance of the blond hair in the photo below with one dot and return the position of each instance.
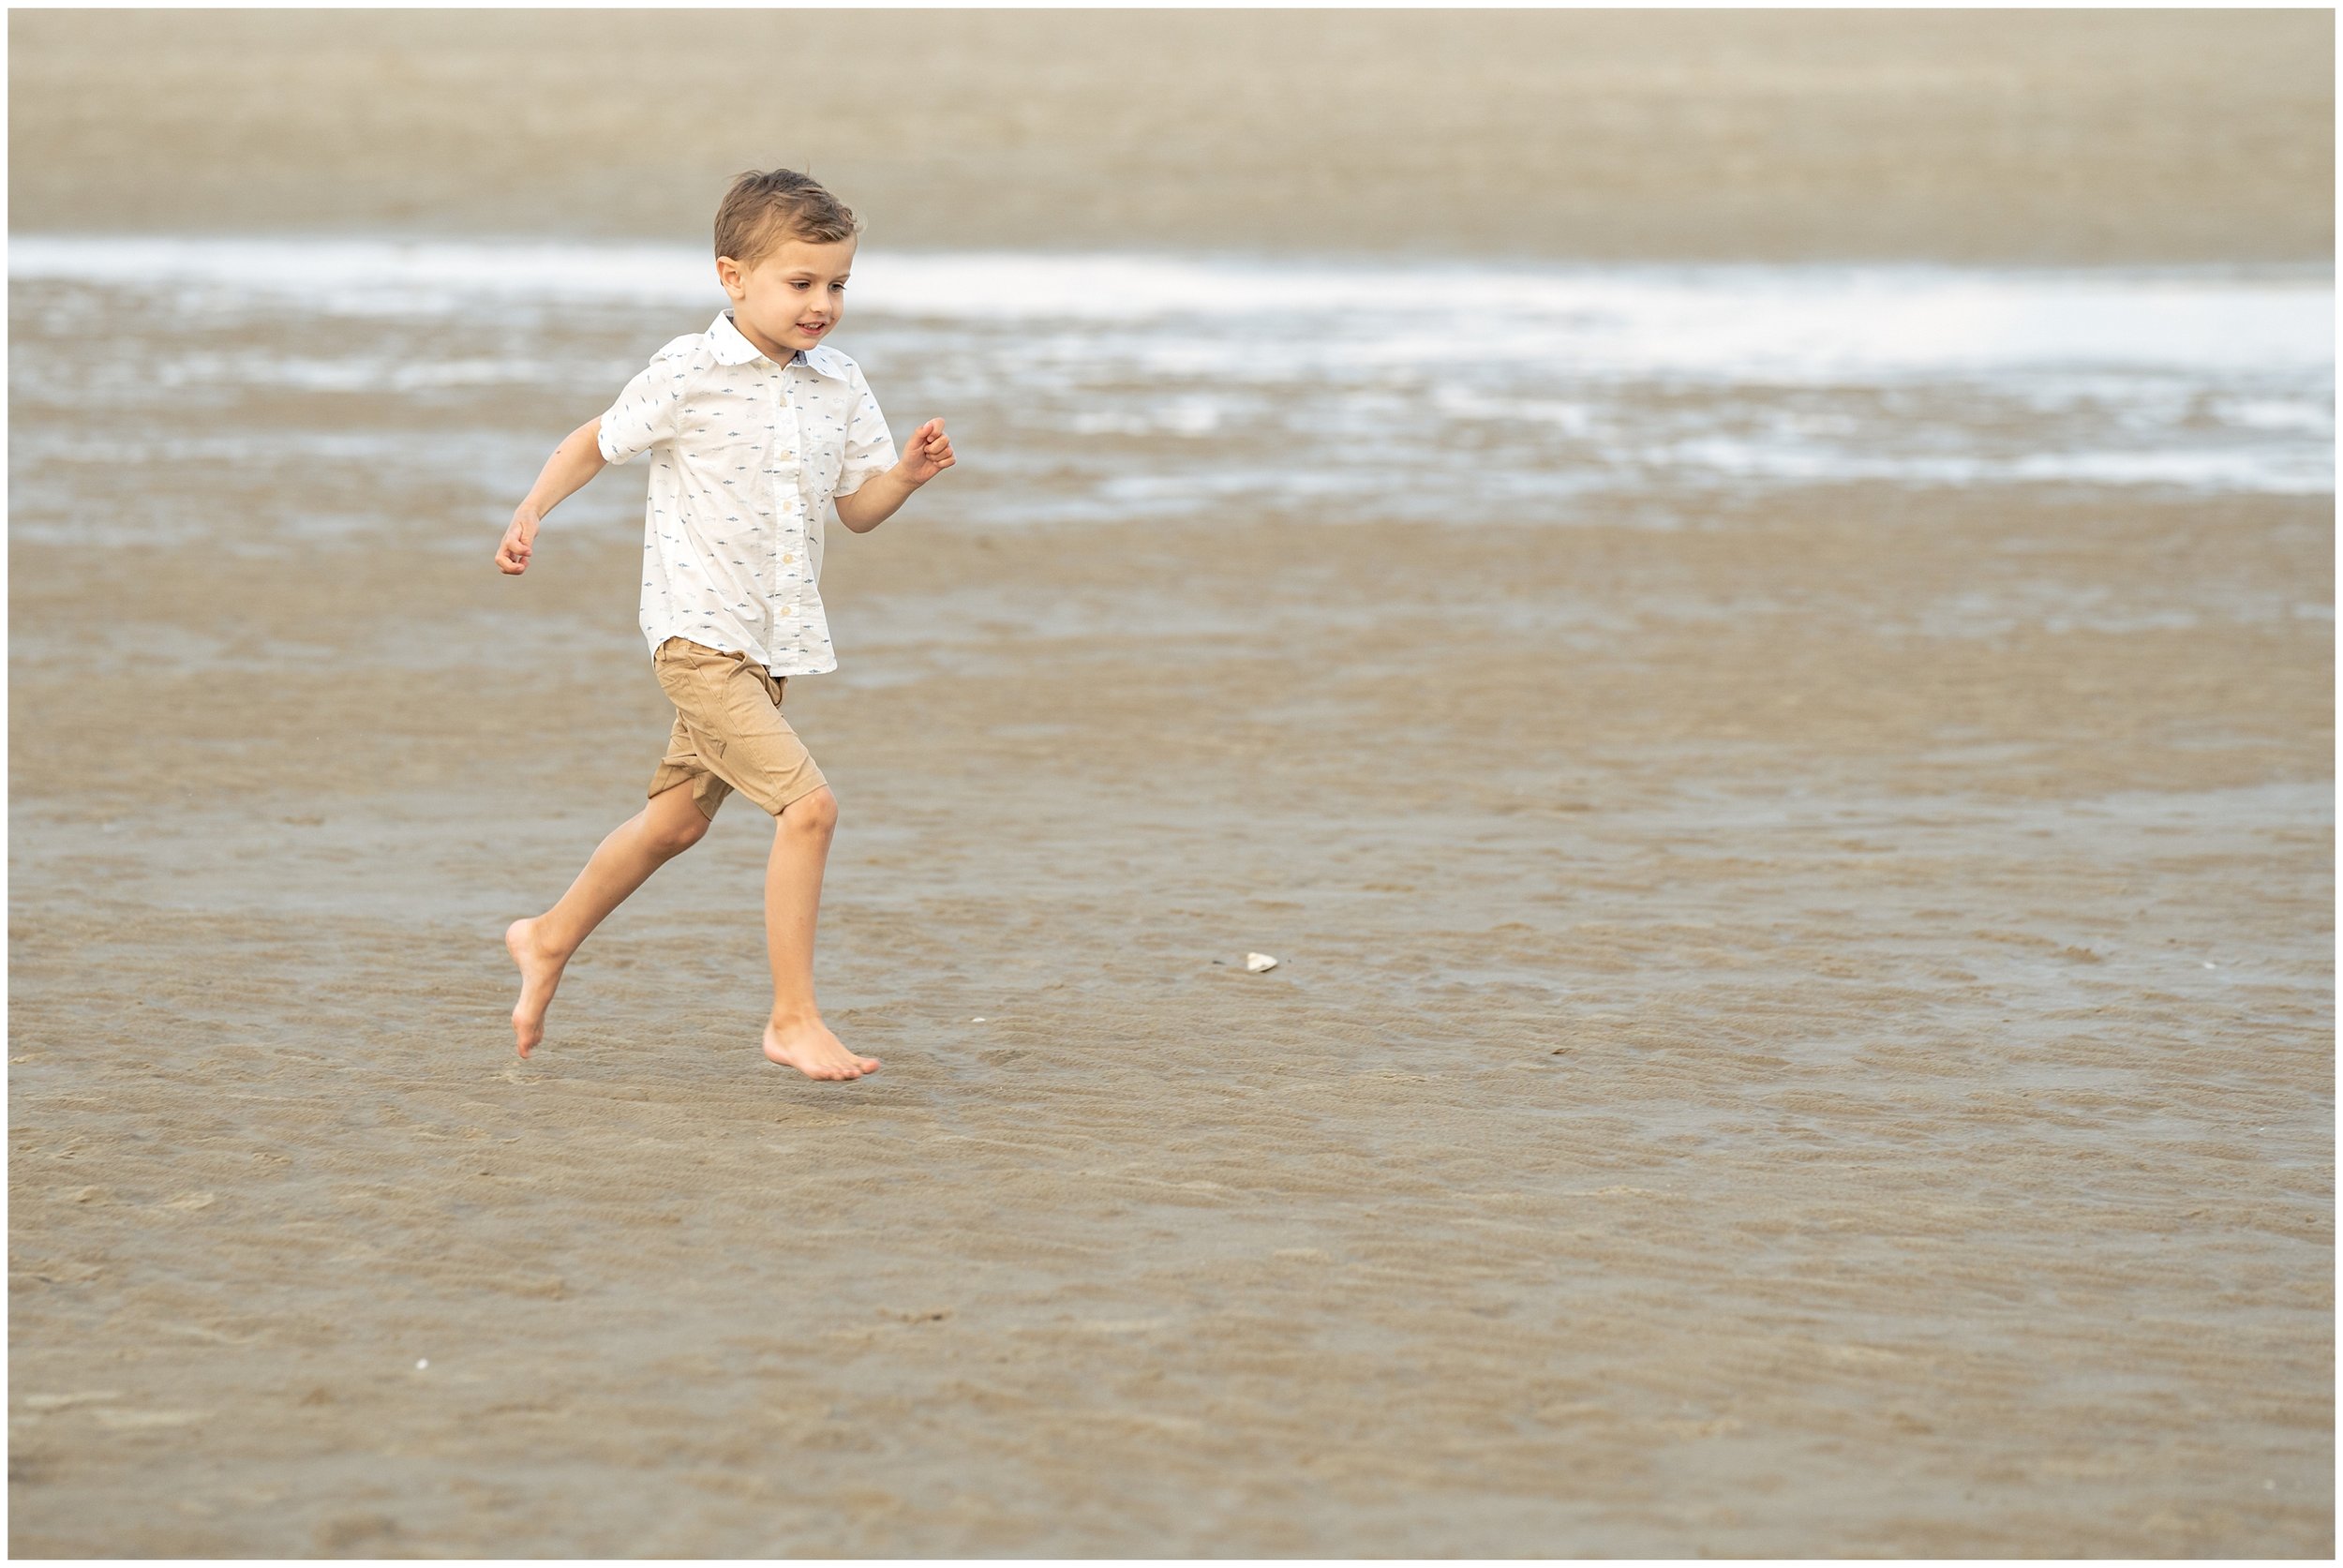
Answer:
(766, 208)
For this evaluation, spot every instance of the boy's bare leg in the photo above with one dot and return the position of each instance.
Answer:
(795, 1035)
(662, 831)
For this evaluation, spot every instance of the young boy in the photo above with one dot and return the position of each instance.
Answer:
(757, 430)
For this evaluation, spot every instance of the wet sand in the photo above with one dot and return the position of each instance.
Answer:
(1744, 1078)
(1805, 1026)
(1980, 136)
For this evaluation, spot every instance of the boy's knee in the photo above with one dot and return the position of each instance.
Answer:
(671, 839)
(817, 813)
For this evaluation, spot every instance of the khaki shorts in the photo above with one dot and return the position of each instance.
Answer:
(728, 731)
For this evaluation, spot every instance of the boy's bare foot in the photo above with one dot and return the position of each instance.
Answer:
(540, 973)
(813, 1051)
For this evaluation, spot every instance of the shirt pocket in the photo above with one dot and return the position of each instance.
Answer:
(825, 460)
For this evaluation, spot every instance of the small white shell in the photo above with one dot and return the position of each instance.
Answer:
(1256, 962)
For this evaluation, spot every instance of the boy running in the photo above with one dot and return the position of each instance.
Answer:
(757, 430)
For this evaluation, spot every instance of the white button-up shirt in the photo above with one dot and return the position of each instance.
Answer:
(747, 461)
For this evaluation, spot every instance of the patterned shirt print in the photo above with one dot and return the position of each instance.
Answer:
(748, 458)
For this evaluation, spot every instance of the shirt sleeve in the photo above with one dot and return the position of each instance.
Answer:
(648, 411)
(870, 449)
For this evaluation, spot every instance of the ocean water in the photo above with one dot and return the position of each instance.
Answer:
(1125, 387)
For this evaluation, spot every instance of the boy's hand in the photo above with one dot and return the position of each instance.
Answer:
(519, 537)
(928, 454)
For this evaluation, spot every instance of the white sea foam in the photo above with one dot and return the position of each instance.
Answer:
(1405, 388)
(1807, 322)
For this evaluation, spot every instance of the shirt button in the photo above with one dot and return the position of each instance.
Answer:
(786, 560)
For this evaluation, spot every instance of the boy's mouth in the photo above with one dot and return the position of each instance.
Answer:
(814, 329)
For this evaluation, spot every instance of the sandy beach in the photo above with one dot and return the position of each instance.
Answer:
(1805, 1020)
(1949, 136)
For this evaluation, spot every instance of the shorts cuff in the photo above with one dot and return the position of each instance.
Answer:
(801, 790)
(707, 791)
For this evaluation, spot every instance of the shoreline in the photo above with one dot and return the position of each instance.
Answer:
(2306, 269)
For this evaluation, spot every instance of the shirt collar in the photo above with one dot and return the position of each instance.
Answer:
(733, 347)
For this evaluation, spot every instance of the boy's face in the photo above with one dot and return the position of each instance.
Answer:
(792, 296)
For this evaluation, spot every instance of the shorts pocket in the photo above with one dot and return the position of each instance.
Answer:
(698, 681)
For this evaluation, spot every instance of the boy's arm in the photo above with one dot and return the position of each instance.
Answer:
(578, 459)
(878, 498)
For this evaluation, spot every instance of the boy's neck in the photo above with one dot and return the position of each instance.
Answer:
(758, 340)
